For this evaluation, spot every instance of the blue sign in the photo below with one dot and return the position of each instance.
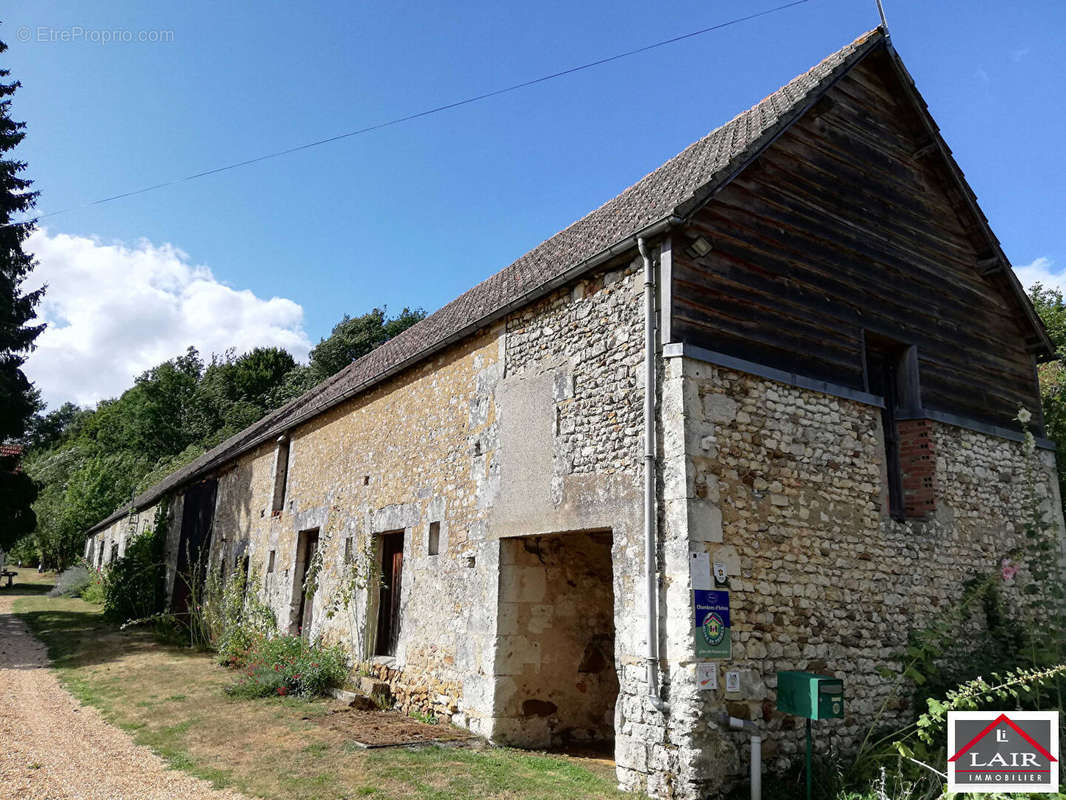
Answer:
(711, 631)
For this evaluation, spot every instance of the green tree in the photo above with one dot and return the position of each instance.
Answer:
(17, 308)
(257, 372)
(18, 401)
(90, 462)
(1051, 307)
(17, 493)
(236, 391)
(47, 430)
(1049, 304)
(351, 339)
(163, 406)
(354, 337)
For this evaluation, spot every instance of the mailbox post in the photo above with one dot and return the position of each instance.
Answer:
(812, 696)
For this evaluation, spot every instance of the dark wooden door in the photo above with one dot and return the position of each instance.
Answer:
(882, 368)
(197, 516)
(305, 614)
(389, 598)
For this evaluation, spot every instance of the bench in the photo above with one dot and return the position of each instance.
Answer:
(9, 575)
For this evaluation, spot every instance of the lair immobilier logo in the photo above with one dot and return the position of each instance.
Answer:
(992, 751)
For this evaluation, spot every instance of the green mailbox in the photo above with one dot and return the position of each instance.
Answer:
(807, 694)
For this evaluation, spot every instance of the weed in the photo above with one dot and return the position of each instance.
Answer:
(285, 665)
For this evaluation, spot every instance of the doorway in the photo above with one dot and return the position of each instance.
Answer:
(388, 631)
(303, 600)
(556, 679)
(194, 543)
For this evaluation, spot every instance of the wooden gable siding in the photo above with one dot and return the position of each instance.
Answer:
(839, 227)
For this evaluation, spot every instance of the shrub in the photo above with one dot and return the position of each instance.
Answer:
(285, 665)
(71, 582)
(95, 590)
(226, 614)
(135, 583)
(239, 621)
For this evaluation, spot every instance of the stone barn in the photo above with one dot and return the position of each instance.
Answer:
(774, 380)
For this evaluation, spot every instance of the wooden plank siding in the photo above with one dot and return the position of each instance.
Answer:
(844, 225)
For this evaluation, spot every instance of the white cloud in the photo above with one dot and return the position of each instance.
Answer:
(115, 310)
(1041, 270)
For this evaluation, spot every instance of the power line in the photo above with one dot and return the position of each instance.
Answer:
(418, 115)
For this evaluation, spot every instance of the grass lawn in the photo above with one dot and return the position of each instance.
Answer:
(171, 699)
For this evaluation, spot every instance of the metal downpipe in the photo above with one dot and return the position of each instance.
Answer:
(649, 479)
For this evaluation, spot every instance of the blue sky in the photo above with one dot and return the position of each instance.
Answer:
(415, 214)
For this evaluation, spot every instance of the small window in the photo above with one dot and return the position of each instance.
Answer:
(114, 552)
(281, 475)
(433, 544)
(270, 562)
(348, 555)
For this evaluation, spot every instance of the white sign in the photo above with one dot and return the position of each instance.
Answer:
(720, 573)
(732, 681)
(699, 570)
(706, 676)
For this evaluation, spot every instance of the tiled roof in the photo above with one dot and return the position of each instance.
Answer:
(674, 189)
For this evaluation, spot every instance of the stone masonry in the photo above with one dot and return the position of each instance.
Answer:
(528, 429)
(785, 486)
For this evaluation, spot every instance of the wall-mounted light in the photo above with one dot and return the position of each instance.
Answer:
(699, 247)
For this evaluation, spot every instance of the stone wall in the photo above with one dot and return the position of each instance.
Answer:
(112, 540)
(571, 440)
(413, 451)
(786, 487)
(530, 427)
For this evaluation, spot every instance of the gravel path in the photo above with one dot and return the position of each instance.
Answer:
(52, 748)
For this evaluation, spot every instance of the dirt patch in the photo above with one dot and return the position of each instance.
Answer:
(389, 729)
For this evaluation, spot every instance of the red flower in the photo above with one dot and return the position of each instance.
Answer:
(283, 690)
(1007, 569)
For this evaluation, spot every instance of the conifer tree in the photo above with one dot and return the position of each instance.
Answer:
(18, 400)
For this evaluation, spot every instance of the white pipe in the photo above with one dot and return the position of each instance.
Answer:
(652, 584)
(756, 768)
(737, 724)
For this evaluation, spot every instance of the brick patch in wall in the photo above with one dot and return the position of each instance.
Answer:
(917, 460)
